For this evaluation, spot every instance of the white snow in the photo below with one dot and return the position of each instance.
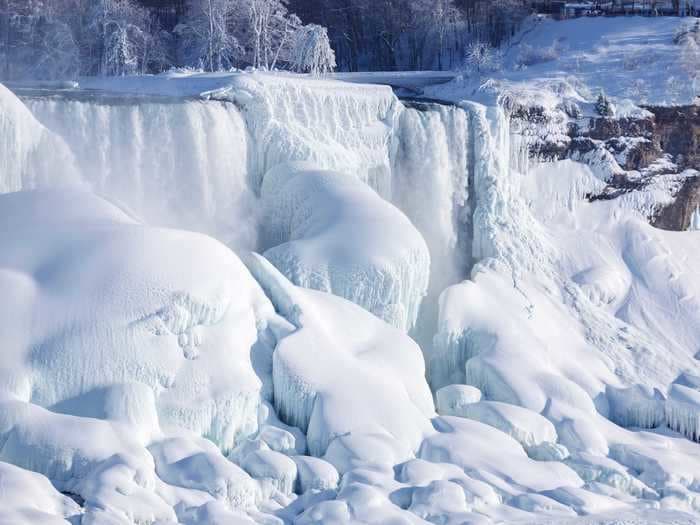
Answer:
(157, 378)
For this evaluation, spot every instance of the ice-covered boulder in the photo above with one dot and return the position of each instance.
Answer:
(197, 464)
(534, 432)
(329, 231)
(439, 502)
(636, 406)
(27, 498)
(315, 474)
(112, 319)
(488, 453)
(451, 399)
(273, 470)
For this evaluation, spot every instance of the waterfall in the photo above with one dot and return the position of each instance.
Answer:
(181, 163)
(199, 164)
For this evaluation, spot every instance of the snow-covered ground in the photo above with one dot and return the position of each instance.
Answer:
(156, 370)
(634, 59)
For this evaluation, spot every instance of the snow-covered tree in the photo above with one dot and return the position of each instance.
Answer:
(206, 35)
(482, 57)
(272, 28)
(118, 37)
(312, 52)
(603, 106)
(689, 40)
(58, 52)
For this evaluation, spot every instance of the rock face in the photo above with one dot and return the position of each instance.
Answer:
(631, 153)
(677, 131)
(677, 215)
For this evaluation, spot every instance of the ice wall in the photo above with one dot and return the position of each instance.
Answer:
(30, 155)
(338, 126)
(198, 164)
(430, 183)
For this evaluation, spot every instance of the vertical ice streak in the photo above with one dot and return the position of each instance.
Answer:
(180, 163)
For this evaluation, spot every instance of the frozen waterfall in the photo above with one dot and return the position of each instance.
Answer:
(172, 162)
(199, 164)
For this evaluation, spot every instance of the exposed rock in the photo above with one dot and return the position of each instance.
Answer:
(676, 216)
(677, 132)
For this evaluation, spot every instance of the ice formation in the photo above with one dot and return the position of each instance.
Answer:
(174, 163)
(183, 333)
(31, 155)
(328, 231)
(152, 376)
(340, 348)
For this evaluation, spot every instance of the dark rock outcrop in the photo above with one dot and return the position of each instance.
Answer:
(676, 216)
(677, 132)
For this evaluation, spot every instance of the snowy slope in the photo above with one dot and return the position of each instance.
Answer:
(628, 58)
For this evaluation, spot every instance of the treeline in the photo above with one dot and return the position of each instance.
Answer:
(411, 34)
(62, 39)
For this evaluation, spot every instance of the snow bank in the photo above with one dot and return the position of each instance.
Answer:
(330, 232)
(28, 498)
(634, 60)
(494, 457)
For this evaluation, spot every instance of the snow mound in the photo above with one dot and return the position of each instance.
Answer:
(112, 302)
(534, 432)
(452, 399)
(330, 232)
(341, 350)
(28, 498)
(494, 457)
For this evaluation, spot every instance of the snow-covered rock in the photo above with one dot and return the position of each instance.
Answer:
(274, 470)
(494, 455)
(27, 498)
(315, 474)
(452, 399)
(199, 465)
(528, 428)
